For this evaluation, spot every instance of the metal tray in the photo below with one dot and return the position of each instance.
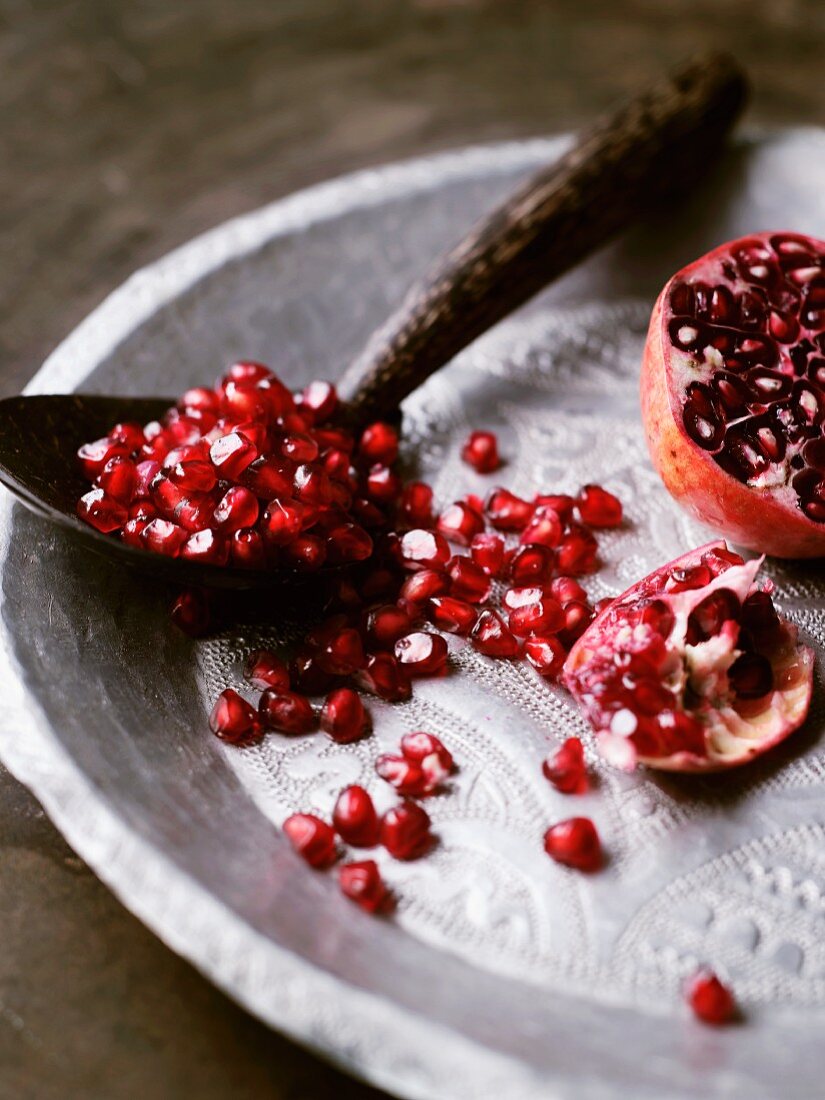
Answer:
(502, 975)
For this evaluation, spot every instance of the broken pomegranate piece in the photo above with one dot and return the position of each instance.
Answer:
(670, 675)
(733, 391)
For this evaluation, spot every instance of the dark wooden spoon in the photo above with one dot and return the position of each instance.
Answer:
(657, 145)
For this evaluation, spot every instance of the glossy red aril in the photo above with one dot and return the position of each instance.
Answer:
(383, 484)
(237, 508)
(575, 843)
(576, 553)
(543, 617)
(565, 768)
(523, 596)
(487, 550)
(231, 454)
(361, 882)
(102, 511)
(451, 615)
(733, 395)
(545, 528)
(286, 711)
(405, 831)
(312, 838)
(379, 443)
(163, 537)
(561, 504)
(668, 676)
(492, 638)
(598, 508)
(247, 550)
(711, 1001)
(546, 654)
(355, 819)
(481, 452)
(468, 581)
(405, 776)
(385, 677)
(348, 542)
(281, 522)
(422, 586)
(415, 505)
(207, 547)
(130, 435)
(386, 624)
(343, 716)
(530, 565)
(343, 653)
(269, 477)
(190, 612)
(506, 511)
(577, 618)
(234, 720)
(421, 653)
(460, 523)
(94, 456)
(565, 589)
(319, 400)
(263, 669)
(119, 479)
(422, 549)
(429, 753)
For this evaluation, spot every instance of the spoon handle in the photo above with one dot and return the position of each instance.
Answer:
(661, 142)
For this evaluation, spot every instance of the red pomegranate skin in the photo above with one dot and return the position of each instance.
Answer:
(749, 516)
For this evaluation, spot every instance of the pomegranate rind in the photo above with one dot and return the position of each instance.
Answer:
(763, 519)
(732, 737)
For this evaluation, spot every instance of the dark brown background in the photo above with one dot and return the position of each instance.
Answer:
(125, 128)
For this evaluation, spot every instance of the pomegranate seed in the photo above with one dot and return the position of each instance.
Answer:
(576, 553)
(405, 831)
(269, 477)
(469, 581)
(481, 452)
(237, 508)
(305, 553)
(383, 484)
(424, 585)
(421, 654)
(343, 716)
(348, 542)
(379, 443)
(543, 617)
(190, 612)
(130, 435)
(386, 624)
(343, 654)
(163, 537)
(132, 531)
(231, 454)
(546, 654)
(386, 678)
(545, 528)
(427, 750)
(310, 485)
(491, 637)
(101, 511)
(598, 508)
(361, 882)
(286, 711)
(422, 549)
(207, 547)
(565, 589)
(685, 580)
(202, 399)
(561, 504)
(312, 838)
(451, 615)
(415, 505)
(577, 618)
(234, 720)
(566, 769)
(119, 479)
(94, 456)
(355, 819)
(711, 1001)
(460, 523)
(307, 676)
(263, 669)
(488, 552)
(407, 778)
(368, 514)
(531, 564)
(281, 522)
(147, 471)
(320, 400)
(601, 605)
(299, 447)
(514, 598)
(575, 843)
(506, 511)
(247, 549)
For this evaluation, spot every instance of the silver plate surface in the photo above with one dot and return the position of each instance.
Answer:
(502, 975)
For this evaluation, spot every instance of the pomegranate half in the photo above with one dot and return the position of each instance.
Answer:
(733, 391)
(691, 669)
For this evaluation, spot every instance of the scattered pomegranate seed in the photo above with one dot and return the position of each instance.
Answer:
(94, 456)
(190, 612)
(163, 537)
(545, 616)
(312, 838)
(207, 547)
(355, 819)
(565, 589)
(320, 400)
(102, 511)
(532, 564)
(237, 508)
(487, 550)
(386, 678)
(383, 484)
(546, 654)
(598, 508)
(574, 843)
(343, 716)
(347, 543)
(460, 523)
(246, 549)
(518, 597)
(408, 778)
(361, 882)
(506, 511)
(422, 549)
(545, 528)
(468, 581)
(424, 585)
(379, 443)
(307, 676)
(421, 653)
(119, 479)
(263, 669)
(577, 618)
(566, 769)
(286, 711)
(561, 504)
(481, 452)
(576, 553)
(711, 1001)
(427, 750)
(415, 505)
(234, 720)
(452, 615)
(343, 653)
(491, 637)
(405, 831)
(231, 454)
